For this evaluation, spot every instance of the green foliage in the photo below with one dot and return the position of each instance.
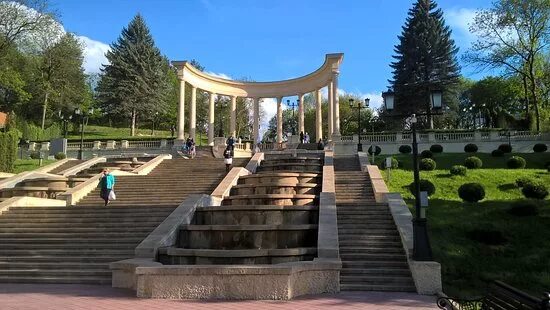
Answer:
(32, 132)
(470, 148)
(35, 155)
(394, 163)
(425, 186)
(494, 98)
(520, 182)
(471, 192)
(516, 162)
(60, 155)
(405, 149)
(505, 148)
(377, 150)
(524, 208)
(427, 164)
(473, 162)
(497, 153)
(436, 148)
(8, 150)
(540, 148)
(458, 170)
(426, 154)
(536, 190)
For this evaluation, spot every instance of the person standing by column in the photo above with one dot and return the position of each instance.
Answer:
(107, 184)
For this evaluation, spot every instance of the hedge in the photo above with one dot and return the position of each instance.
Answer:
(8, 150)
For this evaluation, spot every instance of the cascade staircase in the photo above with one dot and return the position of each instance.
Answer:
(76, 244)
(373, 258)
(68, 164)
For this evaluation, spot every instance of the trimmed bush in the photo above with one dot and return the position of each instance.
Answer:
(540, 148)
(8, 150)
(427, 154)
(506, 148)
(377, 150)
(458, 170)
(34, 155)
(471, 192)
(535, 190)
(436, 148)
(470, 148)
(520, 182)
(425, 186)
(497, 153)
(405, 149)
(427, 164)
(473, 162)
(524, 208)
(516, 162)
(394, 163)
(60, 156)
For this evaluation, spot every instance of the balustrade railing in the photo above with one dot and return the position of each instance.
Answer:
(144, 144)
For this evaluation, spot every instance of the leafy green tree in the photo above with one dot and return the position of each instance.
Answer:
(494, 98)
(513, 36)
(136, 80)
(425, 60)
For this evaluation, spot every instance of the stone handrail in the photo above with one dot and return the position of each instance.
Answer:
(255, 162)
(231, 179)
(363, 160)
(82, 166)
(378, 185)
(150, 165)
(52, 166)
(327, 239)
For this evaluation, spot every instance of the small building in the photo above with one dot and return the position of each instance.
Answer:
(3, 120)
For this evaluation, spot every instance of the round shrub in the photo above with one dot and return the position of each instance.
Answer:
(470, 148)
(520, 182)
(540, 148)
(497, 153)
(516, 162)
(506, 148)
(524, 208)
(34, 155)
(473, 162)
(377, 150)
(471, 192)
(394, 163)
(425, 186)
(458, 170)
(535, 190)
(427, 164)
(60, 155)
(405, 149)
(436, 148)
(427, 154)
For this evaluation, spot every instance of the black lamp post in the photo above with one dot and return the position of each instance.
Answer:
(65, 122)
(153, 123)
(292, 106)
(422, 250)
(83, 115)
(359, 106)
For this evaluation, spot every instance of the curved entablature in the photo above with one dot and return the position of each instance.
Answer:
(307, 83)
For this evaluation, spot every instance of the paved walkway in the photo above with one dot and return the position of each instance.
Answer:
(77, 297)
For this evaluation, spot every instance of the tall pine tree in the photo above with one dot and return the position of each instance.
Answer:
(425, 60)
(135, 83)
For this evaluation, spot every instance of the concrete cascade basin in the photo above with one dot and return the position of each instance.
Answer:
(280, 177)
(256, 215)
(276, 188)
(272, 199)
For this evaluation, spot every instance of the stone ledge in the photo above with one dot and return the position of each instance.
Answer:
(146, 168)
(82, 166)
(231, 179)
(378, 184)
(255, 162)
(29, 202)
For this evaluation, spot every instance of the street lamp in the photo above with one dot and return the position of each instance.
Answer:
(221, 104)
(292, 106)
(83, 115)
(64, 120)
(421, 250)
(153, 125)
(359, 106)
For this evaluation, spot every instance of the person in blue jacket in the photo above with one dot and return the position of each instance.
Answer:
(106, 184)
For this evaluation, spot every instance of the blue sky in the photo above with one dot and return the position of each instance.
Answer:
(267, 40)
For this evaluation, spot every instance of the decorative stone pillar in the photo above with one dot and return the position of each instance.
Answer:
(256, 123)
(111, 144)
(330, 110)
(124, 144)
(181, 111)
(301, 127)
(233, 121)
(477, 136)
(193, 114)
(32, 146)
(318, 116)
(163, 143)
(44, 146)
(211, 119)
(97, 145)
(431, 136)
(336, 102)
(280, 120)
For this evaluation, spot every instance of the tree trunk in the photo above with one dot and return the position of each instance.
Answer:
(44, 109)
(133, 126)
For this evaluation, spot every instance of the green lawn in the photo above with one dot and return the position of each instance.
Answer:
(523, 260)
(22, 165)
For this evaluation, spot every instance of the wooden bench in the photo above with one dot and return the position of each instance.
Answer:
(501, 296)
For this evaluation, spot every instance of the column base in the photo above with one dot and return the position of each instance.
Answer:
(336, 137)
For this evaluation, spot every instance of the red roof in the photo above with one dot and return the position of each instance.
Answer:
(3, 119)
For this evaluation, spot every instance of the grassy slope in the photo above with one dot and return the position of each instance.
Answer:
(102, 132)
(22, 165)
(524, 261)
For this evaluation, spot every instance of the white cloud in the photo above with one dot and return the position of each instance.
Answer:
(94, 54)
(460, 19)
(219, 75)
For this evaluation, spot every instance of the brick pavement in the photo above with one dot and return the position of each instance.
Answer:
(95, 297)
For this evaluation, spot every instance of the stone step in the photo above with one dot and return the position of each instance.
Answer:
(367, 243)
(402, 264)
(369, 226)
(375, 271)
(372, 257)
(119, 225)
(75, 218)
(67, 252)
(64, 241)
(89, 210)
(370, 250)
(371, 237)
(53, 265)
(57, 280)
(383, 288)
(377, 279)
(67, 230)
(367, 231)
(68, 246)
(41, 258)
(26, 272)
(373, 219)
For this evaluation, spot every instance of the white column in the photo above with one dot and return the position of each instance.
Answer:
(233, 121)
(211, 119)
(318, 116)
(181, 111)
(280, 120)
(256, 116)
(330, 110)
(336, 102)
(193, 113)
(301, 114)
